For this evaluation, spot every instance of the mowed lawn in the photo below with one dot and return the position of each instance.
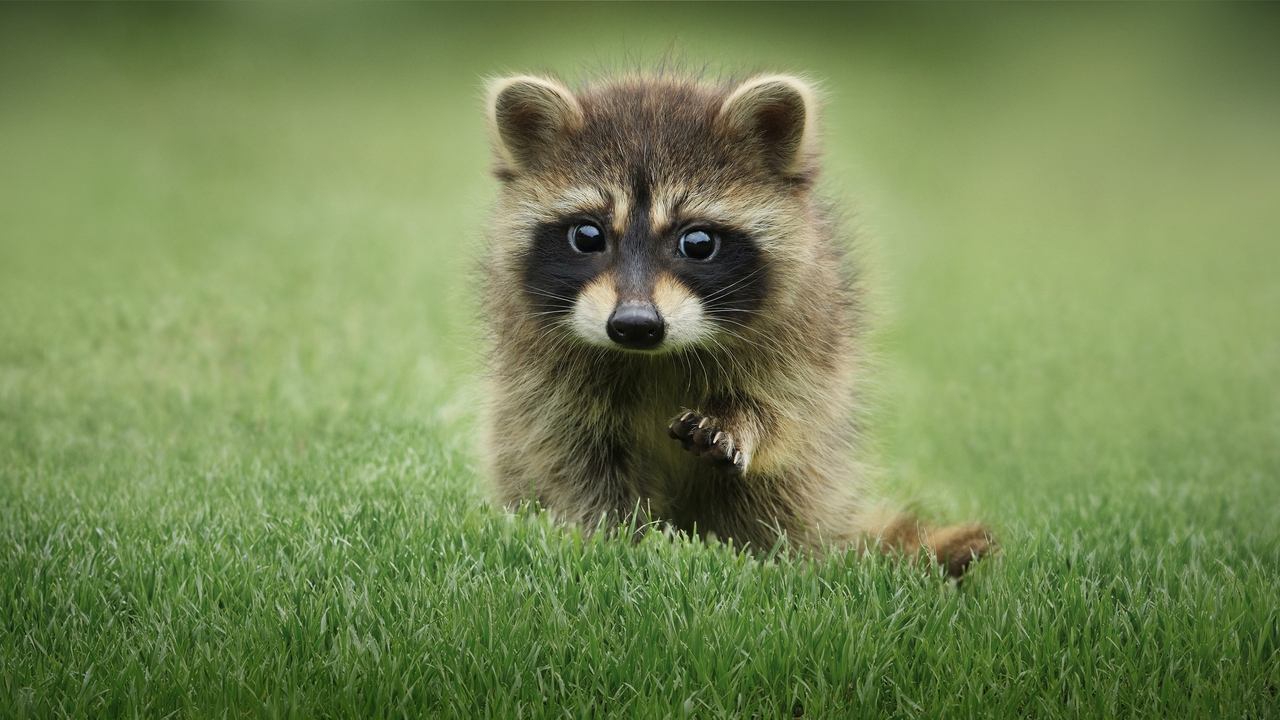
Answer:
(239, 371)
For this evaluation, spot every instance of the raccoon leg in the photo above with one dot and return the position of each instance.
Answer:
(954, 547)
(605, 504)
(585, 483)
(709, 440)
(593, 488)
(736, 510)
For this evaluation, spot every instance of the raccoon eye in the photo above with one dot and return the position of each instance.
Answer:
(699, 244)
(586, 238)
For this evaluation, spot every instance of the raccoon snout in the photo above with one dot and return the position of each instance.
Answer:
(636, 325)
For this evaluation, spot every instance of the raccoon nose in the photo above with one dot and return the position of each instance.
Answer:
(636, 325)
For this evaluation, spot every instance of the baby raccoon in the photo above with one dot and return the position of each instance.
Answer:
(674, 335)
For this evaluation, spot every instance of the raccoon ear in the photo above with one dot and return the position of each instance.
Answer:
(778, 113)
(526, 114)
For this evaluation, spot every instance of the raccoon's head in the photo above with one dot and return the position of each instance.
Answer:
(652, 213)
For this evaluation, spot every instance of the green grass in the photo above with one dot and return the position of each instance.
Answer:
(238, 372)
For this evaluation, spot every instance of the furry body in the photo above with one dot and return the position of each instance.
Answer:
(739, 423)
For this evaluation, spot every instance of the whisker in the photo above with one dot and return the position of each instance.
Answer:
(725, 290)
(705, 377)
(733, 362)
(544, 293)
(769, 343)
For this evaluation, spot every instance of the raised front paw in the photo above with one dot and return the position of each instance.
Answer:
(701, 436)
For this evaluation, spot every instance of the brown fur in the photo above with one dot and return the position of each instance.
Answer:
(583, 430)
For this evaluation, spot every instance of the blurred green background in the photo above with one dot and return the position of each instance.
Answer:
(236, 323)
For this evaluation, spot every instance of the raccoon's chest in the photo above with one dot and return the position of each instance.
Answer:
(661, 468)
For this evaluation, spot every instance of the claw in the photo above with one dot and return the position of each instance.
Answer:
(699, 435)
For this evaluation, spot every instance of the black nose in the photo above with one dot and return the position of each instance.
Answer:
(636, 325)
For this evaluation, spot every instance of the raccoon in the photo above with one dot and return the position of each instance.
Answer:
(673, 323)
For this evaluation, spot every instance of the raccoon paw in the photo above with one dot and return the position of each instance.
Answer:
(701, 436)
(957, 546)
